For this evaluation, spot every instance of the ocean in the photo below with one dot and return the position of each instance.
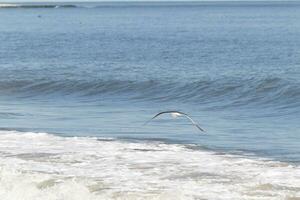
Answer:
(78, 81)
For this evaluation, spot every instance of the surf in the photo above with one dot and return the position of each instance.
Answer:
(41, 164)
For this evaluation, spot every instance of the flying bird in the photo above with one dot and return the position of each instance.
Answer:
(176, 114)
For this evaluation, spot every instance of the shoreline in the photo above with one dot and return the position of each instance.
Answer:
(112, 169)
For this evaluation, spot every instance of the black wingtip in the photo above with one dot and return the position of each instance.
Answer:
(200, 128)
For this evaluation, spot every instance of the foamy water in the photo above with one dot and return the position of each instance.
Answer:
(5, 5)
(45, 166)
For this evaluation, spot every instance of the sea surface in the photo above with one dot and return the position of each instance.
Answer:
(78, 81)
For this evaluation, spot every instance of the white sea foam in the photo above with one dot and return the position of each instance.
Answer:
(5, 5)
(44, 166)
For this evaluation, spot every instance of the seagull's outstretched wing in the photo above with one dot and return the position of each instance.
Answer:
(193, 122)
(176, 112)
(164, 112)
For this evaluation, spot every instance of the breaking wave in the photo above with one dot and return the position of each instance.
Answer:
(233, 92)
(38, 6)
(41, 164)
(151, 4)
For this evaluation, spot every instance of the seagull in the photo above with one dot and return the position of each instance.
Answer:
(175, 114)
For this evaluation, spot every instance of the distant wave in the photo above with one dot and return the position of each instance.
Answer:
(153, 4)
(38, 6)
(232, 92)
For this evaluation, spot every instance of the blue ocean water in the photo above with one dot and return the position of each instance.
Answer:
(103, 69)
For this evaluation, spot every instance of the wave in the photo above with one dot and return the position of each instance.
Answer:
(231, 92)
(40, 164)
(153, 4)
(38, 6)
